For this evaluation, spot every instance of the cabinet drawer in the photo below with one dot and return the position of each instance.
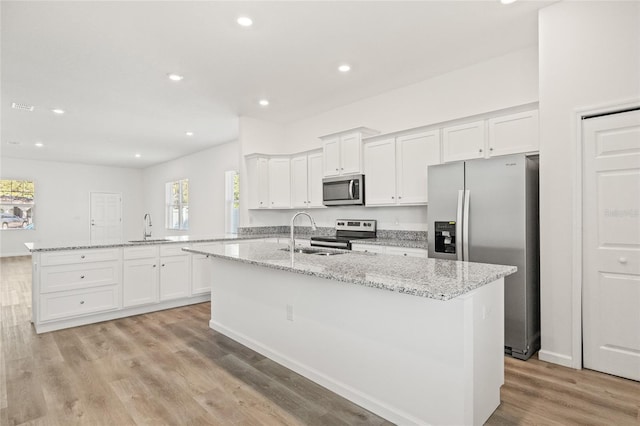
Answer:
(68, 277)
(140, 252)
(367, 248)
(173, 250)
(409, 252)
(54, 306)
(78, 256)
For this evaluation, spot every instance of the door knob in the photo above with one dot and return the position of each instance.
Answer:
(623, 260)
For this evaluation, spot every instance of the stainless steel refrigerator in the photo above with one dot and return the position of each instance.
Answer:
(486, 211)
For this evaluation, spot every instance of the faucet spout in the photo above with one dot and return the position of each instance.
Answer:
(292, 241)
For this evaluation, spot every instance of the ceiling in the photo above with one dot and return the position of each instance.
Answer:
(106, 64)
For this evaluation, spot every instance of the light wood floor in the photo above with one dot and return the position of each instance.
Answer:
(169, 368)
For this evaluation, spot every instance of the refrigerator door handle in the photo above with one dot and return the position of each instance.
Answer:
(459, 235)
(465, 224)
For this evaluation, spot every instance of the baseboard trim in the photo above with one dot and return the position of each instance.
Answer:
(383, 410)
(556, 358)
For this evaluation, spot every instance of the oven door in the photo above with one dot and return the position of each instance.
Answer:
(343, 191)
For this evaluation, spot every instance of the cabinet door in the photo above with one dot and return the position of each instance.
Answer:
(514, 133)
(463, 142)
(314, 180)
(299, 185)
(201, 274)
(414, 153)
(262, 184)
(380, 172)
(331, 156)
(279, 183)
(175, 277)
(140, 282)
(350, 154)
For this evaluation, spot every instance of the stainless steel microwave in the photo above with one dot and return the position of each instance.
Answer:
(343, 191)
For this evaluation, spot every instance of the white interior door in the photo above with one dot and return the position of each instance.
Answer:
(611, 244)
(106, 216)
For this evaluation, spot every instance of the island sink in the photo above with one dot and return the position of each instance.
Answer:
(320, 252)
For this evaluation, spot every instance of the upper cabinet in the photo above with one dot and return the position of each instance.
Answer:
(507, 134)
(306, 180)
(258, 178)
(514, 133)
(396, 168)
(464, 142)
(279, 183)
(342, 152)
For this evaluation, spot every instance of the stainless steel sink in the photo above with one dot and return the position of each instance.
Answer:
(150, 240)
(316, 251)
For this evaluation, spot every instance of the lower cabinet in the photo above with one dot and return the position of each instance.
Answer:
(175, 277)
(392, 250)
(140, 281)
(73, 303)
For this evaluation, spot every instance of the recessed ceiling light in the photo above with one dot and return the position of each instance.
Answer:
(58, 111)
(39, 144)
(189, 133)
(244, 21)
(263, 102)
(175, 77)
(507, 1)
(23, 107)
(344, 68)
(138, 155)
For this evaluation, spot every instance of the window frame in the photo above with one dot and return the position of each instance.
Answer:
(177, 206)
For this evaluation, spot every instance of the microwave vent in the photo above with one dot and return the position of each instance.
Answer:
(22, 107)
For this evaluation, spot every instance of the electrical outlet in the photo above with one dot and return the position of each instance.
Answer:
(290, 312)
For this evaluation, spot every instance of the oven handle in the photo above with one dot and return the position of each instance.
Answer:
(330, 244)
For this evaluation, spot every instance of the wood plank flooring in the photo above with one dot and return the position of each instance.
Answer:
(168, 367)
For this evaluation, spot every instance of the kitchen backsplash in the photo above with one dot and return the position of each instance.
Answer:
(330, 231)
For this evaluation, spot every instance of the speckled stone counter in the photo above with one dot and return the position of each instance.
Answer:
(421, 244)
(431, 278)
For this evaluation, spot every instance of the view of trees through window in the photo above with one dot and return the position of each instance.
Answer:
(177, 198)
(232, 201)
(16, 204)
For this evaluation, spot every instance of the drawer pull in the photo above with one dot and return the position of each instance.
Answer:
(154, 266)
(404, 254)
(81, 276)
(82, 302)
(82, 257)
(163, 264)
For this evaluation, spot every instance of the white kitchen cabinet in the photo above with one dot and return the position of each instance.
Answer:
(175, 277)
(396, 169)
(258, 182)
(514, 133)
(392, 250)
(306, 180)
(140, 281)
(464, 142)
(279, 183)
(342, 152)
(140, 275)
(201, 274)
(380, 172)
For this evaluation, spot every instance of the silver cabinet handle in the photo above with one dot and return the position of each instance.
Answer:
(491, 149)
(82, 302)
(480, 151)
(82, 257)
(154, 266)
(81, 276)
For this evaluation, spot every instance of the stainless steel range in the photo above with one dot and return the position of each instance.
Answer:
(347, 230)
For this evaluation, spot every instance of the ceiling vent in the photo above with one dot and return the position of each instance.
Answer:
(22, 107)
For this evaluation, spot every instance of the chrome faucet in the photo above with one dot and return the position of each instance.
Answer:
(292, 242)
(147, 226)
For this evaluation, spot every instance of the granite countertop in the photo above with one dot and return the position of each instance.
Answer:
(80, 245)
(421, 244)
(432, 278)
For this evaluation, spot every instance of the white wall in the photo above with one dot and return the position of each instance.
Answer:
(205, 171)
(499, 83)
(62, 202)
(495, 84)
(589, 57)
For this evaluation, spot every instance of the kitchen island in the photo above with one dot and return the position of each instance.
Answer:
(417, 341)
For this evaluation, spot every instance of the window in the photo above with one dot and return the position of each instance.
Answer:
(177, 197)
(232, 201)
(16, 204)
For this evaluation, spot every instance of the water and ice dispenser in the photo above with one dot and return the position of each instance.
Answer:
(445, 238)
